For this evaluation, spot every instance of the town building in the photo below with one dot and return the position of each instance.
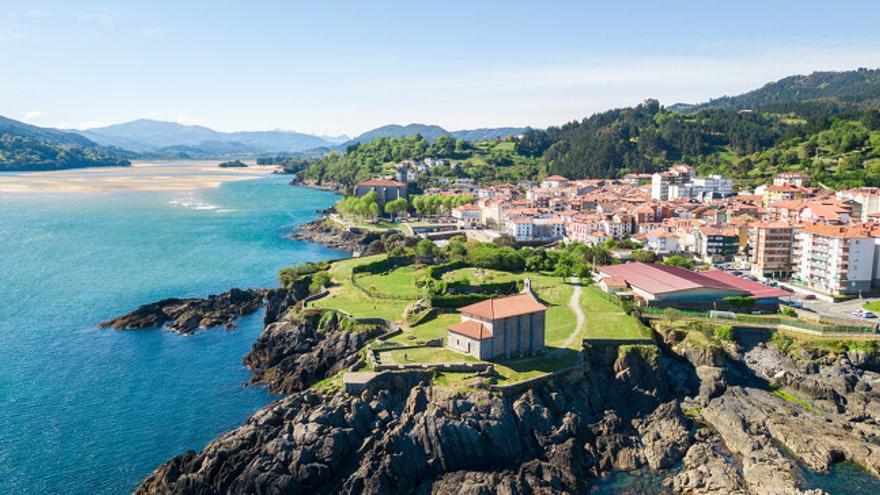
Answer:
(716, 244)
(554, 182)
(672, 286)
(797, 179)
(770, 249)
(505, 327)
(835, 259)
(467, 216)
(386, 190)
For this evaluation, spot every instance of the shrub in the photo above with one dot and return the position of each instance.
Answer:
(741, 303)
(724, 333)
(320, 280)
(782, 341)
(787, 311)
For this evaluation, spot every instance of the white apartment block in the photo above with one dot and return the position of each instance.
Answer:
(835, 259)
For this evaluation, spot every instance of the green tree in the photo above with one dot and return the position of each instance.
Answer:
(320, 280)
(396, 207)
(644, 256)
(680, 261)
(425, 249)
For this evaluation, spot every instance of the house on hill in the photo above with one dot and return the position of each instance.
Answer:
(504, 327)
(386, 190)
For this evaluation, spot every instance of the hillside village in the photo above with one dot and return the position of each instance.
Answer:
(819, 242)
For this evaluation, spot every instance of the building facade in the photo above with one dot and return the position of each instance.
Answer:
(506, 327)
(771, 245)
(386, 190)
(834, 259)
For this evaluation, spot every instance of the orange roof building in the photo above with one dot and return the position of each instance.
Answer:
(503, 327)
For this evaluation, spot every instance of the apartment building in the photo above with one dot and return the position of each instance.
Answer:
(835, 259)
(716, 244)
(770, 245)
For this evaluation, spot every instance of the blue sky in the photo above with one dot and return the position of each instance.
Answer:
(331, 67)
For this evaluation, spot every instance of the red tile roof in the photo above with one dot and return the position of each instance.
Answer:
(756, 289)
(556, 178)
(472, 329)
(660, 279)
(504, 307)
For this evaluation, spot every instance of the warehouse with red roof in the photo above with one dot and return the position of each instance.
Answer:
(672, 286)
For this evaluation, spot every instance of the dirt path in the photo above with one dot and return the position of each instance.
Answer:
(575, 304)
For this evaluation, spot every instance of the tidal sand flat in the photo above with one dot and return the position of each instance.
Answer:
(141, 176)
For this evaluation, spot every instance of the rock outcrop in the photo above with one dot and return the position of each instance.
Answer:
(185, 316)
(421, 439)
(303, 348)
(704, 420)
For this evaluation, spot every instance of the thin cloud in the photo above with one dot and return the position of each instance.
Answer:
(151, 31)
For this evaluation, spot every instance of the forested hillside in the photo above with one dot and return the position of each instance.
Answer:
(25, 147)
(857, 89)
(484, 161)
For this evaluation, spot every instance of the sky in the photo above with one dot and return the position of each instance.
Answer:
(332, 67)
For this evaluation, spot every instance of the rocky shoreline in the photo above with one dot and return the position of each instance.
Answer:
(186, 316)
(322, 232)
(709, 412)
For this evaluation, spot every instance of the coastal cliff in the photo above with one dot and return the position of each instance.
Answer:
(707, 420)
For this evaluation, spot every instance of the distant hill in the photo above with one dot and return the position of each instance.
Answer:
(24, 147)
(152, 136)
(831, 90)
(483, 134)
(429, 132)
(432, 132)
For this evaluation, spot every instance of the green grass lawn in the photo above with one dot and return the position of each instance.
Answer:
(400, 283)
(478, 276)
(345, 296)
(516, 370)
(425, 355)
(873, 306)
(605, 320)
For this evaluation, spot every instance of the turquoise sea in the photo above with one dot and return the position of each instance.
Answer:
(85, 410)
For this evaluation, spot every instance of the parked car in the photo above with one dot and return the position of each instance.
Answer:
(868, 314)
(809, 297)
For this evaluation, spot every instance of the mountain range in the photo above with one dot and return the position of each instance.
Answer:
(154, 135)
(28, 147)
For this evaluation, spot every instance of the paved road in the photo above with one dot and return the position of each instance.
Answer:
(841, 309)
(575, 304)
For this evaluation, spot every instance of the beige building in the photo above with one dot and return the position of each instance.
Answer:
(770, 245)
(505, 327)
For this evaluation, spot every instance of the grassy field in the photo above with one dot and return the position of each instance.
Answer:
(478, 276)
(603, 319)
(400, 283)
(345, 296)
(872, 306)
(425, 355)
(607, 321)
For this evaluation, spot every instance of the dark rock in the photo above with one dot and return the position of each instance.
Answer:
(304, 348)
(187, 315)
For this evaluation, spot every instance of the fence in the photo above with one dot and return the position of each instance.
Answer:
(796, 324)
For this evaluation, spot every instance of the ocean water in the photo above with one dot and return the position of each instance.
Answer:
(85, 410)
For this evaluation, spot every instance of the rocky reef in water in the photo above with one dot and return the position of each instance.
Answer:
(186, 316)
(703, 416)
